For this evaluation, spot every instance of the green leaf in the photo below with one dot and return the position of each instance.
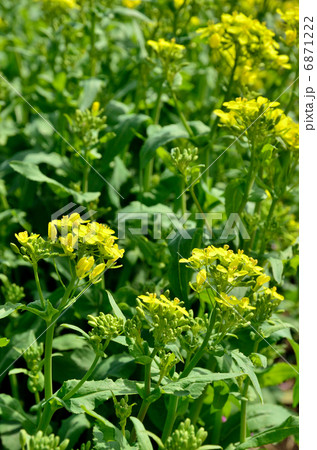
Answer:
(261, 417)
(277, 269)
(274, 435)
(4, 342)
(179, 275)
(233, 195)
(124, 131)
(72, 428)
(7, 309)
(115, 308)
(106, 431)
(32, 172)
(90, 91)
(163, 136)
(246, 365)
(277, 374)
(11, 409)
(141, 433)
(133, 13)
(195, 383)
(92, 393)
(68, 341)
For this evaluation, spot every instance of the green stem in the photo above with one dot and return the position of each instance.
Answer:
(250, 181)
(147, 390)
(14, 386)
(38, 284)
(217, 427)
(148, 171)
(244, 401)
(85, 179)
(85, 378)
(92, 39)
(267, 225)
(172, 407)
(192, 192)
(180, 113)
(48, 382)
(183, 196)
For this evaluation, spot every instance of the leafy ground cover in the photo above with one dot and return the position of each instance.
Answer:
(149, 224)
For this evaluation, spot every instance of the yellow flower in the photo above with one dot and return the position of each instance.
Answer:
(201, 277)
(215, 40)
(98, 270)
(131, 3)
(69, 243)
(275, 295)
(262, 279)
(194, 21)
(167, 49)
(242, 113)
(95, 107)
(22, 237)
(179, 3)
(84, 266)
(240, 40)
(164, 302)
(232, 301)
(52, 232)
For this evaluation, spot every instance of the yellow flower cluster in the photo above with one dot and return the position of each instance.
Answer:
(61, 4)
(222, 270)
(168, 51)
(290, 18)
(131, 3)
(89, 238)
(242, 113)
(152, 302)
(239, 41)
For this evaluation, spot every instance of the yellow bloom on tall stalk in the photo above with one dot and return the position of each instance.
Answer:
(167, 50)
(131, 3)
(154, 302)
(60, 4)
(242, 114)
(179, 3)
(242, 42)
(290, 17)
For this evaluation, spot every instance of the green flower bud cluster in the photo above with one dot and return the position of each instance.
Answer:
(195, 335)
(33, 358)
(184, 162)
(266, 302)
(87, 125)
(186, 438)
(41, 442)
(33, 248)
(167, 319)
(167, 362)
(229, 319)
(123, 410)
(85, 446)
(104, 328)
(11, 292)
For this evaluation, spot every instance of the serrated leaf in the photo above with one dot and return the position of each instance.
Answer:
(195, 383)
(246, 365)
(274, 435)
(92, 393)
